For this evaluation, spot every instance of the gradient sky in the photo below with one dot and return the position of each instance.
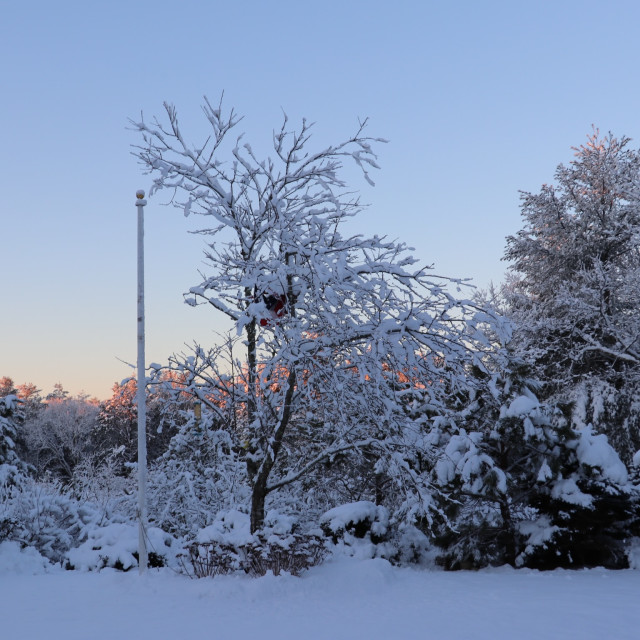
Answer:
(479, 99)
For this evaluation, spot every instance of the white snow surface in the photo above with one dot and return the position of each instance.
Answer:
(521, 406)
(339, 517)
(595, 451)
(343, 599)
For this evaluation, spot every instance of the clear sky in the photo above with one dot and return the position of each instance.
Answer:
(478, 100)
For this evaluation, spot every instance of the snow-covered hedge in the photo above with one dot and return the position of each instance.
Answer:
(116, 546)
(365, 530)
(228, 546)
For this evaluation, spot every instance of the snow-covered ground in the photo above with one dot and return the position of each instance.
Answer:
(346, 599)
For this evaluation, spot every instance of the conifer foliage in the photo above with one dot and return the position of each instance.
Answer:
(10, 464)
(528, 489)
(575, 294)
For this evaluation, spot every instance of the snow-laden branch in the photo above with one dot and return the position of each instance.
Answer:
(325, 455)
(361, 331)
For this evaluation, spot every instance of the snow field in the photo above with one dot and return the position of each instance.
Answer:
(342, 600)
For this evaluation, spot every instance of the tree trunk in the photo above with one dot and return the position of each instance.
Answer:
(509, 538)
(252, 466)
(258, 499)
(260, 488)
(252, 368)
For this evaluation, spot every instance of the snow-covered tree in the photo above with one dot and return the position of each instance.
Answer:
(7, 387)
(31, 399)
(117, 422)
(527, 488)
(10, 464)
(576, 292)
(199, 475)
(59, 393)
(30, 403)
(12, 469)
(337, 336)
(58, 436)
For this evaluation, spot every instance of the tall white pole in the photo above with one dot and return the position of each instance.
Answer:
(143, 556)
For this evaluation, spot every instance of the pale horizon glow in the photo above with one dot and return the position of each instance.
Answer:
(477, 100)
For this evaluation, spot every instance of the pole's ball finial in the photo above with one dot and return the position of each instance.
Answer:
(140, 194)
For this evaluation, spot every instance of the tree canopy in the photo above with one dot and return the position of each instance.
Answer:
(575, 294)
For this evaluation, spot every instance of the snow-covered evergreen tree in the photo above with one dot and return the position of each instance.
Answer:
(575, 296)
(11, 467)
(527, 488)
(116, 426)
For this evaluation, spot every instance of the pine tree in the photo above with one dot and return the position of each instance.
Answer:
(11, 467)
(575, 294)
(527, 488)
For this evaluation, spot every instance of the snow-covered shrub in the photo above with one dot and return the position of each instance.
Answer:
(16, 559)
(199, 476)
(48, 519)
(365, 530)
(116, 545)
(358, 519)
(530, 490)
(633, 553)
(409, 545)
(359, 528)
(228, 546)
(587, 512)
(104, 484)
(7, 526)
(8, 490)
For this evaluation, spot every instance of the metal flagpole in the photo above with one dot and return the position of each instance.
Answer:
(142, 404)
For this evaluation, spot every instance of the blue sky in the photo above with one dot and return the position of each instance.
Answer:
(477, 99)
